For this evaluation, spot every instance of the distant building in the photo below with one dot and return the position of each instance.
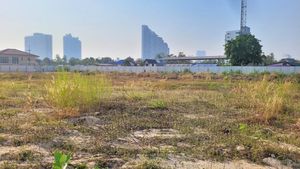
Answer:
(201, 53)
(39, 44)
(152, 44)
(72, 47)
(150, 62)
(17, 57)
(231, 35)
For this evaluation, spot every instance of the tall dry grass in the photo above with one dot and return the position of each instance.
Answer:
(76, 91)
(266, 98)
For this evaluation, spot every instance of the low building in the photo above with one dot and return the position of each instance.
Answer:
(286, 62)
(17, 57)
(150, 62)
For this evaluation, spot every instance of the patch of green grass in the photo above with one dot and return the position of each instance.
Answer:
(74, 90)
(157, 104)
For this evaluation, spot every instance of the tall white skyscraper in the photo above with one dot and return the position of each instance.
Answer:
(152, 44)
(39, 44)
(72, 47)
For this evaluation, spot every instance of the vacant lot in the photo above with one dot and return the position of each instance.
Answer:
(150, 120)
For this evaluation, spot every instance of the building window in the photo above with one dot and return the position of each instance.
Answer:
(15, 60)
(4, 60)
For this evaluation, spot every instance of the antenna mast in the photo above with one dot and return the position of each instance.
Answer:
(243, 16)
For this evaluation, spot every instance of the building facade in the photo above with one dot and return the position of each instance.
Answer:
(231, 35)
(17, 57)
(72, 47)
(201, 53)
(40, 45)
(152, 44)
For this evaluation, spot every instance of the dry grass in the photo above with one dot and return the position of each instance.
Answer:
(266, 98)
(195, 116)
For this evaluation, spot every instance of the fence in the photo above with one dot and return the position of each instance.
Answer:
(140, 69)
(24, 68)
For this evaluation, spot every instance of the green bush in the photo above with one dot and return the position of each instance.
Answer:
(74, 90)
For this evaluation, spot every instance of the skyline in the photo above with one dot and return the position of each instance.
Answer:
(112, 28)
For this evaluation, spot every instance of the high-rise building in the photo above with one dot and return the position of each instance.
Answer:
(152, 44)
(72, 47)
(201, 53)
(231, 35)
(39, 44)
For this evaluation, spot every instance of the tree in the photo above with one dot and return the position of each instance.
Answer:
(59, 61)
(46, 62)
(140, 62)
(74, 61)
(244, 50)
(160, 56)
(89, 61)
(180, 55)
(269, 59)
(129, 62)
(105, 60)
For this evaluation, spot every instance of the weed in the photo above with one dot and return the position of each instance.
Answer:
(26, 155)
(152, 164)
(157, 104)
(61, 160)
(243, 127)
(76, 91)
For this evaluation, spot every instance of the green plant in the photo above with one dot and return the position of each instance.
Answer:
(74, 90)
(157, 104)
(61, 160)
(243, 127)
(244, 50)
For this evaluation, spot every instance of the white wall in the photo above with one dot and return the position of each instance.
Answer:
(140, 69)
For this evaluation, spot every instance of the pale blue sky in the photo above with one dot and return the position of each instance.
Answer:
(113, 27)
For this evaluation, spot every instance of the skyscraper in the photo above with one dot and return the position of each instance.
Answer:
(39, 44)
(72, 47)
(201, 53)
(152, 44)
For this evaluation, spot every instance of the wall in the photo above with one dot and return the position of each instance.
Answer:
(139, 69)
(24, 68)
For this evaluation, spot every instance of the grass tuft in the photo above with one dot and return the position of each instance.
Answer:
(74, 90)
(157, 104)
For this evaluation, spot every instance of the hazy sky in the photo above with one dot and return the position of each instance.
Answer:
(113, 27)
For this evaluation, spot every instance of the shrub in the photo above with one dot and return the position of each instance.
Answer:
(74, 90)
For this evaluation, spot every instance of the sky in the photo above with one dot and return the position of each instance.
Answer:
(112, 28)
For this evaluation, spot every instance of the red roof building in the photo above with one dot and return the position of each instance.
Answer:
(17, 57)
